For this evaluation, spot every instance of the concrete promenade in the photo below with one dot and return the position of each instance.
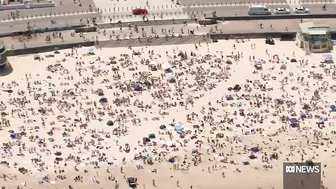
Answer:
(232, 27)
(156, 12)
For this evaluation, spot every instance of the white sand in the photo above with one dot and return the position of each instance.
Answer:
(251, 176)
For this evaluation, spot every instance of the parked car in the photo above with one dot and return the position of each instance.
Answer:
(281, 10)
(301, 10)
(259, 10)
(139, 11)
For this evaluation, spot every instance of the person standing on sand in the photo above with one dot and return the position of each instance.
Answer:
(154, 184)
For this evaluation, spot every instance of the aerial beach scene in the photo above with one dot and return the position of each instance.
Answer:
(88, 117)
(167, 94)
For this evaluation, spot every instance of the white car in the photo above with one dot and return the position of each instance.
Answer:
(281, 11)
(301, 10)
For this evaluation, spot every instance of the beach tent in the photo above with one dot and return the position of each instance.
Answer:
(171, 78)
(236, 88)
(283, 67)
(255, 149)
(228, 62)
(153, 66)
(178, 128)
(172, 159)
(166, 66)
(103, 100)
(110, 123)
(293, 60)
(228, 96)
(327, 58)
(14, 136)
(163, 127)
(136, 51)
(258, 64)
(151, 136)
(333, 108)
(153, 63)
(293, 122)
(100, 92)
(145, 140)
(137, 87)
(303, 115)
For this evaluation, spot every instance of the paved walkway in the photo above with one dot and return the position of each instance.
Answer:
(225, 27)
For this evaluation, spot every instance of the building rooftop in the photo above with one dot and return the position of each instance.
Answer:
(314, 29)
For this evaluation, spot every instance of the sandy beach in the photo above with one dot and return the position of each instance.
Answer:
(195, 116)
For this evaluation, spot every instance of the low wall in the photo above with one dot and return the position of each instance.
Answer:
(274, 17)
(161, 41)
(43, 5)
(47, 48)
(281, 35)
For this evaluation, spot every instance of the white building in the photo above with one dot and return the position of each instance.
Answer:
(314, 38)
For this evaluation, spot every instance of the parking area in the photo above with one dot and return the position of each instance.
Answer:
(317, 9)
(238, 2)
(242, 10)
(318, 1)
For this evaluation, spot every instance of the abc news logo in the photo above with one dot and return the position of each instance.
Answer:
(302, 169)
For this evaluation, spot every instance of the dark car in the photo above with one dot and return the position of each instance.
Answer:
(139, 11)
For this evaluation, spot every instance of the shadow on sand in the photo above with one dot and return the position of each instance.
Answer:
(6, 69)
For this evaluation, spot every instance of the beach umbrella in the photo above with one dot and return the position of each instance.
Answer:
(333, 107)
(163, 127)
(178, 128)
(11, 131)
(91, 49)
(110, 123)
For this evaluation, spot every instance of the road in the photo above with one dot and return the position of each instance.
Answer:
(242, 10)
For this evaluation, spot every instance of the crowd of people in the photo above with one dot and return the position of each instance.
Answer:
(190, 110)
